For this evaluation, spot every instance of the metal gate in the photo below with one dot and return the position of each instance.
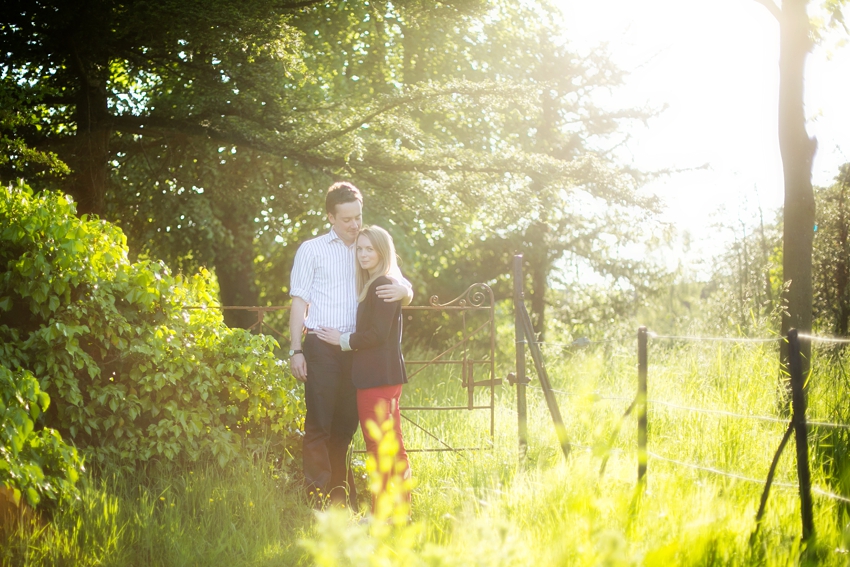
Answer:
(478, 298)
(477, 369)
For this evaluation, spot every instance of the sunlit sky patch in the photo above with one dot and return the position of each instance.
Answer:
(715, 66)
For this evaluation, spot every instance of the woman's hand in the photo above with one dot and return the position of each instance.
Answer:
(330, 336)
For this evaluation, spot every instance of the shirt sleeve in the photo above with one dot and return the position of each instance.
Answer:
(344, 342)
(396, 276)
(303, 273)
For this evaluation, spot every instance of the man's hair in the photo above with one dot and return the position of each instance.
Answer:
(339, 193)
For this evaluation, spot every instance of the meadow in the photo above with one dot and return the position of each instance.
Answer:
(485, 507)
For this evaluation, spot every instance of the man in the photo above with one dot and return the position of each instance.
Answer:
(323, 280)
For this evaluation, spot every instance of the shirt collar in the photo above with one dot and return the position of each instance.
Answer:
(334, 236)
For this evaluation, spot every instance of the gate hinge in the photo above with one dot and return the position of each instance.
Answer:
(512, 379)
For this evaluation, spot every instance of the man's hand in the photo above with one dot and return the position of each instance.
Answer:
(392, 292)
(298, 365)
(330, 336)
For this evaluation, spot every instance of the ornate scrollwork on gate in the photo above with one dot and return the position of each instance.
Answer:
(475, 296)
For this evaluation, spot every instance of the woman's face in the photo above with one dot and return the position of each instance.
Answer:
(366, 254)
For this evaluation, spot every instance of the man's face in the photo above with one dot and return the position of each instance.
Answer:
(346, 221)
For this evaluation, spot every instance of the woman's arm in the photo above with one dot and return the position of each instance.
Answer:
(382, 315)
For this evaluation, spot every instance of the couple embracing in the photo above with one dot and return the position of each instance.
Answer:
(345, 327)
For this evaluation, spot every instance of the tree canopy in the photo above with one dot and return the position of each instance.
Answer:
(210, 130)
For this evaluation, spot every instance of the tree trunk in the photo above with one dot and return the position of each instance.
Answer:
(797, 151)
(89, 159)
(538, 234)
(234, 268)
(537, 258)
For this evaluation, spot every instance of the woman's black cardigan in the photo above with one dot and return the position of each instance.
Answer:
(377, 341)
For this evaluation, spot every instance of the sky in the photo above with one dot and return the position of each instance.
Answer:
(715, 67)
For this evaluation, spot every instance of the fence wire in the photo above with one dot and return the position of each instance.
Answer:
(830, 495)
(816, 338)
(694, 338)
(596, 396)
(718, 412)
(652, 335)
(720, 472)
(747, 416)
(584, 343)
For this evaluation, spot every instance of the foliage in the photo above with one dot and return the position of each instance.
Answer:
(745, 284)
(16, 155)
(386, 536)
(137, 366)
(35, 461)
(745, 287)
(221, 129)
(482, 508)
(832, 255)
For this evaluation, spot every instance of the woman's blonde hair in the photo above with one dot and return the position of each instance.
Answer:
(382, 242)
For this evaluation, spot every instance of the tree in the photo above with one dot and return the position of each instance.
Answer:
(446, 148)
(797, 149)
(107, 81)
(585, 217)
(219, 127)
(745, 285)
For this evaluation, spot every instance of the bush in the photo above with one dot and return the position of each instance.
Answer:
(830, 264)
(138, 366)
(36, 463)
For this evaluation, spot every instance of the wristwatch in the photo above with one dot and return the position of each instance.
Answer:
(294, 352)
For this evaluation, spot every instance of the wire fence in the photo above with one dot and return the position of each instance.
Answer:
(736, 476)
(670, 405)
(691, 338)
(791, 346)
(585, 342)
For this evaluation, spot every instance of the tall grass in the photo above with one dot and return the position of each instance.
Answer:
(157, 516)
(483, 508)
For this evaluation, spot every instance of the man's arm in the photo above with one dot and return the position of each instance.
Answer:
(395, 292)
(300, 286)
(297, 314)
(402, 291)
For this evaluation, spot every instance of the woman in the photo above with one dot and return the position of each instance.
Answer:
(378, 366)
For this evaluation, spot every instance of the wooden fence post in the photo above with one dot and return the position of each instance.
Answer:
(641, 403)
(798, 406)
(521, 380)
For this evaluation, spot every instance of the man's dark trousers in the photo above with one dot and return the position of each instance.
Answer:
(330, 422)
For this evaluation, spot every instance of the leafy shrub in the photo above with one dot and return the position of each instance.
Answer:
(37, 463)
(831, 256)
(137, 366)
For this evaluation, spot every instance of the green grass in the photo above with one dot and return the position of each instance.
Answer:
(483, 508)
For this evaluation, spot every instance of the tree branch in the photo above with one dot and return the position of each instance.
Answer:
(771, 6)
(469, 89)
(450, 161)
(300, 4)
